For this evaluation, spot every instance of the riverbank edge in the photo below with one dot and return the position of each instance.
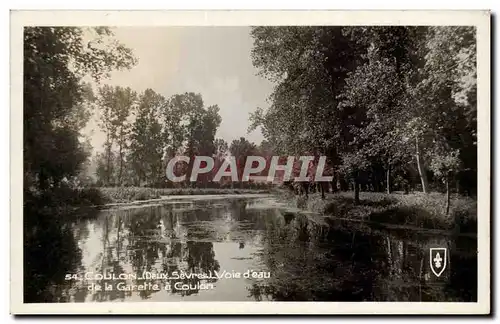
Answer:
(63, 199)
(180, 198)
(415, 210)
(116, 195)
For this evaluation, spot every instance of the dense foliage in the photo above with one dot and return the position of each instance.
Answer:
(56, 99)
(391, 107)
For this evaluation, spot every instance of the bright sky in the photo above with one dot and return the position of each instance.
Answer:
(212, 61)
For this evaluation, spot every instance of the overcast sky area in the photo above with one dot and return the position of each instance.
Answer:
(212, 61)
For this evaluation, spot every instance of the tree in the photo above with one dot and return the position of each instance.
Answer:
(377, 94)
(241, 149)
(55, 61)
(125, 101)
(116, 105)
(85, 176)
(221, 147)
(105, 103)
(372, 99)
(190, 127)
(310, 65)
(445, 164)
(102, 172)
(146, 140)
(446, 98)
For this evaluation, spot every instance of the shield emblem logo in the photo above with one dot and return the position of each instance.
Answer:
(438, 260)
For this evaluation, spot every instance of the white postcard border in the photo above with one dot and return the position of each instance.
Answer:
(480, 19)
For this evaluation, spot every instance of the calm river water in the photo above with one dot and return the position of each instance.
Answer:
(240, 249)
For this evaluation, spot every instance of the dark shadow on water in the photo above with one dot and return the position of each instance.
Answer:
(50, 249)
(356, 263)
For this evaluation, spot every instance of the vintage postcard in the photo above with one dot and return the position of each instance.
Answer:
(250, 162)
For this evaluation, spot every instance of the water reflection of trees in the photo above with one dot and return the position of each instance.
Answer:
(110, 260)
(50, 252)
(311, 260)
(408, 276)
(154, 239)
(308, 258)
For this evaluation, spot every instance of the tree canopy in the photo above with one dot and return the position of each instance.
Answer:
(373, 99)
(56, 98)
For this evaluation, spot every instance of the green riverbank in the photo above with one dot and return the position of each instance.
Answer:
(414, 209)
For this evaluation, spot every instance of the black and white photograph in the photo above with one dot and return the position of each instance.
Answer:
(253, 163)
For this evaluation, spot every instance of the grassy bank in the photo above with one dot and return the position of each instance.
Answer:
(128, 194)
(64, 198)
(415, 209)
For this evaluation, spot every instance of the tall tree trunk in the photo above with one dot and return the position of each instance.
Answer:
(356, 189)
(447, 194)
(334, 182)
(121, 166)
(421, 168)
(108, 162)
(389, 254)
(420, 278)
(344, 185)
(388, 178)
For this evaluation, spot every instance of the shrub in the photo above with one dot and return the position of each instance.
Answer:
(417, 209)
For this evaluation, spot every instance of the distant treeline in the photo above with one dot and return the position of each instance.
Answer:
(145, 131)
